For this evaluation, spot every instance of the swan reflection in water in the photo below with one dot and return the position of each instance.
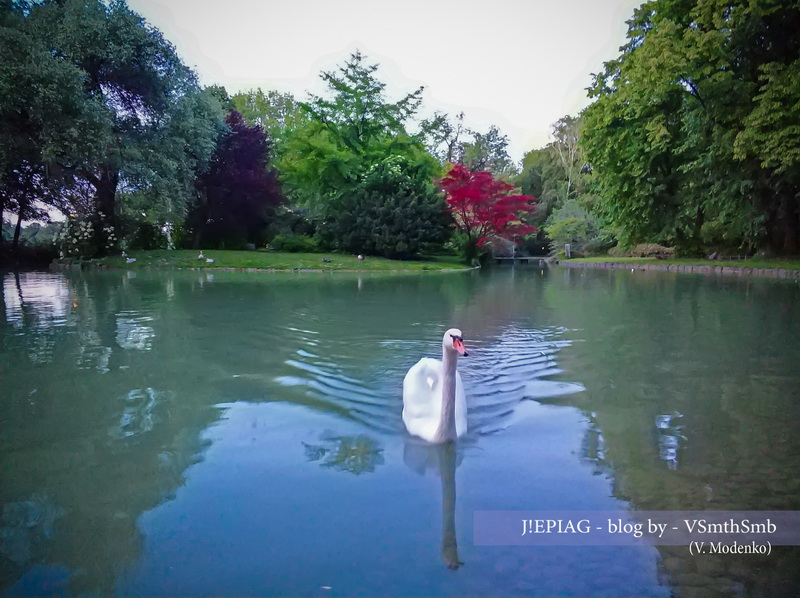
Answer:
(361, 454)
(443, 460)
(435, 404)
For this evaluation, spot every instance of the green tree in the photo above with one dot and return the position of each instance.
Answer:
(41, 118)
(134, 96)
(572, 223)
(357, 112)
(394, 210)
(219, 93)
(314, 169)
(489, 151)
(559, 177)
(277, 113)
(444, 138)
(686, 135)
(324, 163)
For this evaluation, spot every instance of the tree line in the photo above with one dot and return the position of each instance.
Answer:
(104, 123)
(694, 134)
(691, 142)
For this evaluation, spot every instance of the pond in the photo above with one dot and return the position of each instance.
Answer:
(219, 433)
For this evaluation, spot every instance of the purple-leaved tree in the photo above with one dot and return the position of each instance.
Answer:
(239, 192)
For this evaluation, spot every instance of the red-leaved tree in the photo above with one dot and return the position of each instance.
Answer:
(484, 207)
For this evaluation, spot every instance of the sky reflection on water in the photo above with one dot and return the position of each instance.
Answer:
(185, 433)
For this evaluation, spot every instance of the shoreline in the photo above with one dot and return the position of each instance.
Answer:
(58, 267)
(258, 261)
(778, 273)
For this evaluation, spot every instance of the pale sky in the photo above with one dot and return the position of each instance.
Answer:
(519, 64)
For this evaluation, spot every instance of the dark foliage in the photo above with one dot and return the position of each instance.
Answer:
(394, 211)
(239, 192)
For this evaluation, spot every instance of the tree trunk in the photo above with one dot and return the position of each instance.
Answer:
(17, 230)
(788, 217)
(198, 235)
(105, 207)
(2, 209)
(199, 220)
(783, 223)
(199, 232)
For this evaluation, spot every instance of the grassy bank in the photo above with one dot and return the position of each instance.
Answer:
(756, 262)
(274, 261)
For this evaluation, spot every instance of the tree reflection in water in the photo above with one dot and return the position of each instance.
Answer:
(353, 454)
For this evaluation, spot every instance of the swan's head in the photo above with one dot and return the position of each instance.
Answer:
(452, 341)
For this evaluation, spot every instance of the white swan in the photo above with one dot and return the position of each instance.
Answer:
(434, 404)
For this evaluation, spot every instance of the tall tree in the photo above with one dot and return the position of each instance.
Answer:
(238, 193)
(541, 176)
(566, 135)
(40, 114)
(160, 188)
(276, 112)
(445, 138)
(559, 177)
(349, 132)
(489, 151)
(687, 132)
(357, 112)
(132, 83)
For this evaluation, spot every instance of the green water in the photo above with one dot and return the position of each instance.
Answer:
(211, 433)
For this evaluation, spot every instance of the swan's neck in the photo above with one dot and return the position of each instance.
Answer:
(447, 424)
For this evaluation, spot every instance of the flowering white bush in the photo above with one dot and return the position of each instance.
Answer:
(77, 237)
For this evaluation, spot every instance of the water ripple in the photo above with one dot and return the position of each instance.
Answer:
(502, 371)
(331, 389)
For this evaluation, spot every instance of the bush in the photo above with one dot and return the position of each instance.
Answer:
(148, 236)
(467, 250)
(598, 246)
(394, 211)
(295, 243)
(572, 229)
(642, 250)
(572, 223)
(79, 238)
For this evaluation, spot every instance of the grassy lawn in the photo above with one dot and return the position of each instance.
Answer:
(266, 260)
(756, 262)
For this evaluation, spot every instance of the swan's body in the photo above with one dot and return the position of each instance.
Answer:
(434, 403)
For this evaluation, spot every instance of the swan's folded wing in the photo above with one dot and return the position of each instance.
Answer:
(421, 389)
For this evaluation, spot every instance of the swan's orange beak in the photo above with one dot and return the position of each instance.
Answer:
(458, 343)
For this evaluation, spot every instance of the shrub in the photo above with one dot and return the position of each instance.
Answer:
(394, 211)
(148, 236)
(295, 243)
(78, 237)
(572, 223)
(642, 250)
